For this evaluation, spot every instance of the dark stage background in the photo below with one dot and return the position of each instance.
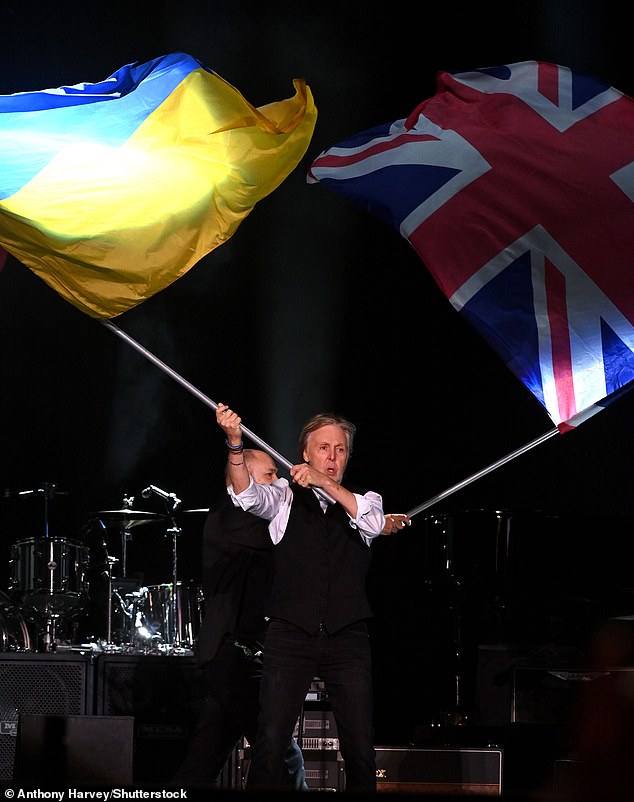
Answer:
(315, 305)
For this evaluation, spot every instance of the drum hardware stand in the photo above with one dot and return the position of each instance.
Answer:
(126, 518)
(107, 574)
(171, 502)
(126, 535)
(51, 624)
(110, 562)
(50, 631)
(48, 491)
(454, 716)
(175, 531)
(44, 621)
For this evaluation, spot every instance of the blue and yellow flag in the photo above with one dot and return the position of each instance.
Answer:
(111, 191)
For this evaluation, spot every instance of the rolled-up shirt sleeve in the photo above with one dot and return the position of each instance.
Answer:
(271, 502)
(261, 500)
(370, 518)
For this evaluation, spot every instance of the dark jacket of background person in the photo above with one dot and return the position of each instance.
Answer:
(236, 577)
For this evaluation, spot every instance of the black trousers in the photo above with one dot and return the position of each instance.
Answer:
(292, 658)
(229, 711)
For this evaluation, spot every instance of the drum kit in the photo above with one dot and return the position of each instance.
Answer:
(51, 588)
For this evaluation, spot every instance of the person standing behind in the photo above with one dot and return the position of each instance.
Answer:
(318, 609)
(236, 579)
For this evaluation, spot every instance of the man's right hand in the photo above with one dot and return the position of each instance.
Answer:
(229, 422)
(395, 522)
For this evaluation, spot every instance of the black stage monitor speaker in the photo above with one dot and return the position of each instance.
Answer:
(163, 694)
(439, 771)
(43, 684)
(75, 751)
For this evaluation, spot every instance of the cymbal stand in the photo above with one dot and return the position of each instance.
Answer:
(175, 602)
(126, 535)
(171, 503)
(50, 624)
(48, 491)
(110, 561)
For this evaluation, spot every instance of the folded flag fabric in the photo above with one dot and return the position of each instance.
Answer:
(110, 191)
(515, 186)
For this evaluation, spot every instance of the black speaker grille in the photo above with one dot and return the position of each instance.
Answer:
(147, 686)
(29, 684)
(163, 694)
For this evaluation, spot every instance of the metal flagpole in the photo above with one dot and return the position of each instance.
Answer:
(483, 472)
(177, 377)
(192, 389)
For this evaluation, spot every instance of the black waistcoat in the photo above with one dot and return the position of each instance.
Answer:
(320, 567)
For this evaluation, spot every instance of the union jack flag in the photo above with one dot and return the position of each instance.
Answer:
(515, 186)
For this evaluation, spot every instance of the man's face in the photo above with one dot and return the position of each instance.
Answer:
(327, 451)
(262, 469)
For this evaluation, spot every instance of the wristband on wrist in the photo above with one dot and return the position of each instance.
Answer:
(239, 447)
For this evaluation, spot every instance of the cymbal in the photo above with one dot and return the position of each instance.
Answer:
(130, 517)
(49, 491)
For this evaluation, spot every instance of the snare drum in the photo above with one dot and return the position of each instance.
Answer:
(160, 619)
(14, 633)
(49, 574)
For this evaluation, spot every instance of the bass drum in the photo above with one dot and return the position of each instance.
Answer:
(14, 633)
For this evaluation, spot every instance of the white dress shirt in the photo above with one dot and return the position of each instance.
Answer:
(273, 503)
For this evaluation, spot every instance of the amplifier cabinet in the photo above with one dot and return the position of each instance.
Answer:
(552, 695)
(163, 694)
(46, 684)
(439, 771)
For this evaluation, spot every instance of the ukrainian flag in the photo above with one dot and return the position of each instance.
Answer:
(111, 191)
